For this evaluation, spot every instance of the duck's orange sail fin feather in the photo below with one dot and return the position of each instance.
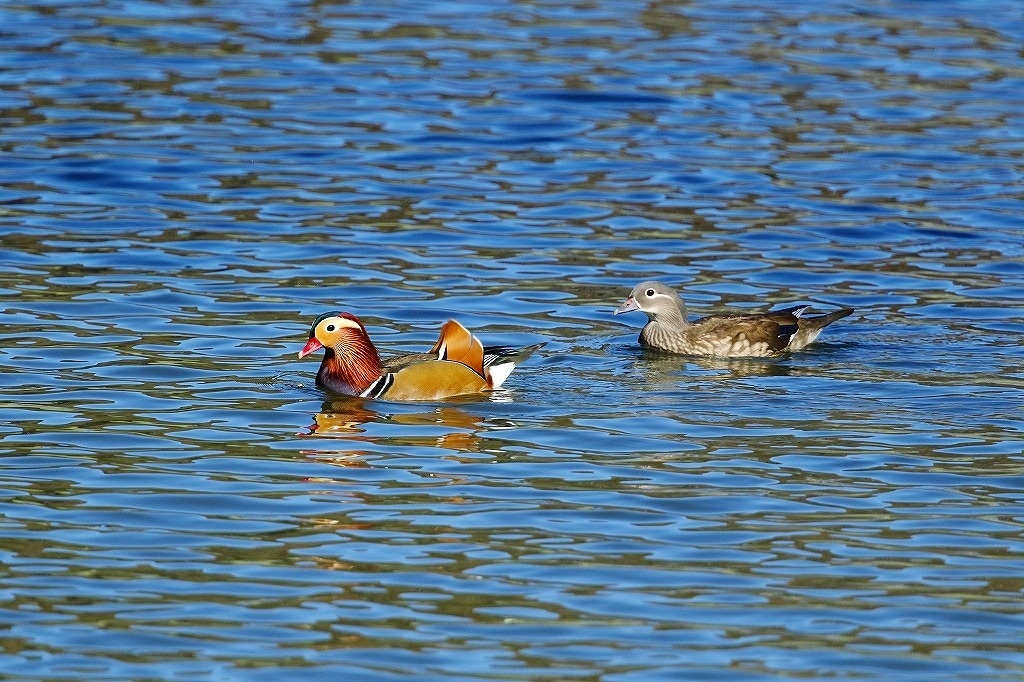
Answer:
(457, 345)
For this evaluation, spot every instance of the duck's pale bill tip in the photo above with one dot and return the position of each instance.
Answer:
(628, 306)
(311, 346)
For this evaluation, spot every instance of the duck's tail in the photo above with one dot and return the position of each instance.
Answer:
(499, 361)
(808, 328)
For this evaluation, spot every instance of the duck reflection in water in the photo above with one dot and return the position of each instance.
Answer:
(662, 367)
(357, 420)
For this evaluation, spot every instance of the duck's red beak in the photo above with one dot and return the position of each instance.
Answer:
(311, 346)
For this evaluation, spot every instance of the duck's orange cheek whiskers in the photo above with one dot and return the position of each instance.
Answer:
(311, 346)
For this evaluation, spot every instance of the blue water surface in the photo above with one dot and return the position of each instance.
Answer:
(184, 187)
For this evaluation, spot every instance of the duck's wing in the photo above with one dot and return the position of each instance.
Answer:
(430, 380)
(457, 364)
(757, 334)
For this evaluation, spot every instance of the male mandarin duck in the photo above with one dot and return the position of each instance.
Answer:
(458, 364)
(722, 336)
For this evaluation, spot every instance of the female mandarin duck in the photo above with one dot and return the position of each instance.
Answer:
(458, 364)
(722, 336)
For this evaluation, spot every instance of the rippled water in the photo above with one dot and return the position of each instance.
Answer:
(184, 186)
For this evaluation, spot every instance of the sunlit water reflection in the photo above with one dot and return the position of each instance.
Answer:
(184, 187)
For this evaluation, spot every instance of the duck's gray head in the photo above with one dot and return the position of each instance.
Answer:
(655, 299)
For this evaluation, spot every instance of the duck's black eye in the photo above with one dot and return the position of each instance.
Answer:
(649, 292)
(329, 327)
